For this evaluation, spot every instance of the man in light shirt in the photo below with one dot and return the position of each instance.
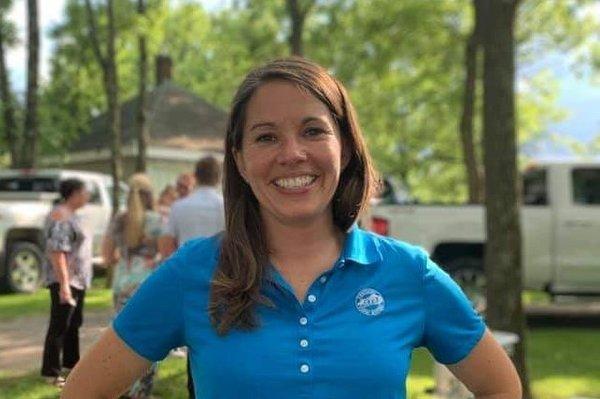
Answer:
(199, 214)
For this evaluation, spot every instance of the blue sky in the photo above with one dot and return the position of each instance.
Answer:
(578, 96)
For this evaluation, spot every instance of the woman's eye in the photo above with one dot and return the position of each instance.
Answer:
(265, 138)
(314, 131)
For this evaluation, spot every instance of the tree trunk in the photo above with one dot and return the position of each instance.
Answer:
(470, 159)
(112, 91)
(30, 132)
(297, 18)
(8, 114)
(142, 132)
(503, 249)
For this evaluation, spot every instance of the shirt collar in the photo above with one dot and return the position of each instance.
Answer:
(203, 189)
(360, 247)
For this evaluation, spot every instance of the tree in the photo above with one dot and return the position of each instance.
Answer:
(298, 11)
(110, 79)
(503, 249)
(30, 129)
(7, 38)
(470, 158)
(142, 133)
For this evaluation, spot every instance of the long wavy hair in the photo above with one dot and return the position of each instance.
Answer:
(139, 200)
(244, 255)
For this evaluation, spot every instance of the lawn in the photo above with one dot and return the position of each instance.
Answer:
(563, 364)
(19, 305)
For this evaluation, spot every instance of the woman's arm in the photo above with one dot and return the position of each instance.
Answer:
(106, 371)
(109, 251)
(58, 260)
(59, 264)
(488, 372)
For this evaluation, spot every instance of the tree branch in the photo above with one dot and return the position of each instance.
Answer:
(93, 35)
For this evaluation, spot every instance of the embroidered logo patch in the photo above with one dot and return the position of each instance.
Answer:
(369, 302)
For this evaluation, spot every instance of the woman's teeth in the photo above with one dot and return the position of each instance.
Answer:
(295, 182)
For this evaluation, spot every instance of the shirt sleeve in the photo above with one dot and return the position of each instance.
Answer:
(452, 326)
(153, 228)
(151, 323)
(169, 228)
(61, 236)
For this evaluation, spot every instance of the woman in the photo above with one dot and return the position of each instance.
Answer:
(68, 271)
(166, 198)
(130, 247)
(293, 300)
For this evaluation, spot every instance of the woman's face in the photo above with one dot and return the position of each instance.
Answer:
(80, 197)
(291, 154)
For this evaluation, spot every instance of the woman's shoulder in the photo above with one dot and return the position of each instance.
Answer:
(60, 214)
(198, 257)
(397, 252)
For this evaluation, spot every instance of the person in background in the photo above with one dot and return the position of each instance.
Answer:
(68, 271)
(166, 198)
(200, 214)
(130, 246)
(185, 185)
(293, 300)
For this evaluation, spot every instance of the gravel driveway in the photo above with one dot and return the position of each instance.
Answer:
(22, 340)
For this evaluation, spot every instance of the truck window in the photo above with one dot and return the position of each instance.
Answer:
(586, 186)
(535, 187)
(29, 184)
(94, 193)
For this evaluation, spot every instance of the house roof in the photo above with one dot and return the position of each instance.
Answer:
(175, 118)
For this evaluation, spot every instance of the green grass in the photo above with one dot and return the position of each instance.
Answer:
(531, 297)
(563, 363)
(38, 303)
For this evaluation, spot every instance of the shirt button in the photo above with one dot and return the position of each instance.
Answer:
(312, 298)
(303, 321)
(323, 279)
(304, 343)
(304, 368)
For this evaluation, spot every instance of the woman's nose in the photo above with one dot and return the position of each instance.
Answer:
(291, 151)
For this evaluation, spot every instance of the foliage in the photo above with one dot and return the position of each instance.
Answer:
(401, 60)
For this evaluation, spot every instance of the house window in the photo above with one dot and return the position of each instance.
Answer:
(586, 186)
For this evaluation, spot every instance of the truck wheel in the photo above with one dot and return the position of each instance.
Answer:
(468, 273)
(24, 267)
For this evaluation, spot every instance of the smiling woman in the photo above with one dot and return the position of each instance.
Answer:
(293, 300)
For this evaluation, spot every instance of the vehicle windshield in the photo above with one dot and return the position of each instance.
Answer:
(29, 184)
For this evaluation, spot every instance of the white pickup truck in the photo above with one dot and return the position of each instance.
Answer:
(560, 224)
(26, 197)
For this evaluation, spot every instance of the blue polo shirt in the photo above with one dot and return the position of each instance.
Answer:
(352, 337)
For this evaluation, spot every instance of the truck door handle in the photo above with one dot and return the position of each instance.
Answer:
(578, 223)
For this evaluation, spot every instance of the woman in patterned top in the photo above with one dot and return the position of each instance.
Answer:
(130, 247)
(68, 272)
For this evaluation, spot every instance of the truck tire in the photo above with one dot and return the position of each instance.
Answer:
(24, 267)
(468, 273)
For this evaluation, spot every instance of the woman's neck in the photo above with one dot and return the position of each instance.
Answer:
(71, 208)
(286, 241)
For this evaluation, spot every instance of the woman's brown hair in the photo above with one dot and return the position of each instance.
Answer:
(244, 254)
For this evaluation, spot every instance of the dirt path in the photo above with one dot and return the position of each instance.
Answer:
(22, 339)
